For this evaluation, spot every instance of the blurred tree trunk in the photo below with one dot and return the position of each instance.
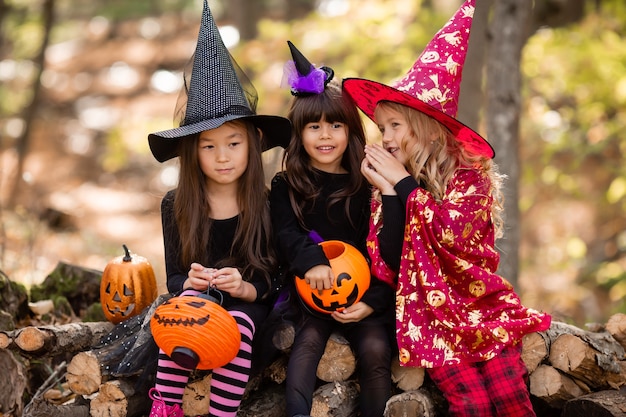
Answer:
(508, 33)
(296, 9)
(4, 9)
(472, 98)
(245, 14)
(30, 112)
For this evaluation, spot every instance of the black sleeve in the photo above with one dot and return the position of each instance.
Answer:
(379, 296)
(176, 275)
(293, 243)
(391, 235)
(405, 187)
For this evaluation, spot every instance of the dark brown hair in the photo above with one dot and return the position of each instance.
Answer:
(332, 106)
(251, 250)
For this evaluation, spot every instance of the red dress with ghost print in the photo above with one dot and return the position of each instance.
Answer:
(451, 306)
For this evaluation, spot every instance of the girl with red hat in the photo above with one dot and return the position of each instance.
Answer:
(436, 212)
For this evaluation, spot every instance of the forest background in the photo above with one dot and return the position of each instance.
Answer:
(83, 83)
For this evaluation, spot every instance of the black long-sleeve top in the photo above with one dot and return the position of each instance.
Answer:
(391, 236)
(222, 237)
(301, 253)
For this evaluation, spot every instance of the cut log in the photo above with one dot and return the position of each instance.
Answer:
(283, 336)
(338, 362)
(407, 378)
(535, 349)
(84, 375)
(603, 341)
(608, 403)
(197, 396)
(597, 369)
(267, 402)
(6, 340)
(410, 404)
(118, 399)
(616, 326)
(64, 339)
(553, 387)
(336, 399)
(277, 371)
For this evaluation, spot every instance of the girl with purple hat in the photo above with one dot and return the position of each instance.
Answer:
(321, 194)
(436, 212)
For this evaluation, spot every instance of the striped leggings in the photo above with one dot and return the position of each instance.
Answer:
(228, 383)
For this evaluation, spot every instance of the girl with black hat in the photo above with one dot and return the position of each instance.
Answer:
(216, 223)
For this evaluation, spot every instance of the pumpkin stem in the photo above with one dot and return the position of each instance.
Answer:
(127, 257)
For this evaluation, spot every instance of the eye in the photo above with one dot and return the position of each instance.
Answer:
(127, 291)
(342, 277)
(337, 125)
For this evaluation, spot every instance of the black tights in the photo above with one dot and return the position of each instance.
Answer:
(372, 347)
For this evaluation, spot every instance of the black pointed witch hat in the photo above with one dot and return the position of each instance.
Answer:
(214, 95)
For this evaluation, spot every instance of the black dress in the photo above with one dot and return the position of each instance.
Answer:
(373, 337)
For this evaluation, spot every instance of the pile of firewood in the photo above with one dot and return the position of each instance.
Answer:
(573, 372)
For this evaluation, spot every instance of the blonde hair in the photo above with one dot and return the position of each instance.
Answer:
(434, 156)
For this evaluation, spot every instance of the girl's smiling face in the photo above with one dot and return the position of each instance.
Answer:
(325, 142)
(396, 132)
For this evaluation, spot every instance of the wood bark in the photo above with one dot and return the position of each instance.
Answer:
(336, 399)
(610, 403)
(12, 383)
(616, 326)
(55, 340)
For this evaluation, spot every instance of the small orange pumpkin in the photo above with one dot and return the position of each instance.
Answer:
(196, 332)
(352, 279)
(128, 285)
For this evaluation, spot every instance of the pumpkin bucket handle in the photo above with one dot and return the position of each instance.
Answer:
(213, 294)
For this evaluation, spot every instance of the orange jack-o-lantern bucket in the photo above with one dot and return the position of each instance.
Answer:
(196, 332)
(352, 279)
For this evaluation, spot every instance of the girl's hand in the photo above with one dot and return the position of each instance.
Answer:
(229, 280)
(352, 314)
(199, 277)
(374, 178)
(319, 277)
(385, 164)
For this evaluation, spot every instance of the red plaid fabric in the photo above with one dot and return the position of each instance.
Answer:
(495, 388)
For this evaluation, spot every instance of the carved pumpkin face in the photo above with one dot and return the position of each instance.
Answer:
(195, 332)
(128, 285)
(352, 279)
